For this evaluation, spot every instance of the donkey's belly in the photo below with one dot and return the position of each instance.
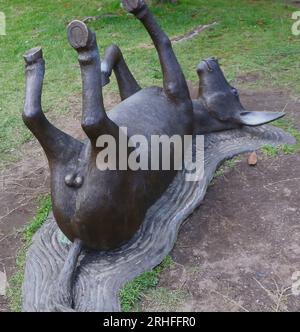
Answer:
(108, 210)
(149, 112)
(105, 212)
(110, 206)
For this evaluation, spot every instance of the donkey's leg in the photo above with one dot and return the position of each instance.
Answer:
(95, 121)
(56, 144)
(113, 60)
(175, 85)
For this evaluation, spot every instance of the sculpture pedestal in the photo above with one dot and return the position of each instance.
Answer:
(100, 275)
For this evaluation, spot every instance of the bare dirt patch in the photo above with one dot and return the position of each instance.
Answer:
(239, 251)
(248, 78)
(187, 36)
(272, 100)
(295, 3)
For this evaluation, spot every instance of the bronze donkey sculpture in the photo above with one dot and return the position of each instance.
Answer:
(102, 209)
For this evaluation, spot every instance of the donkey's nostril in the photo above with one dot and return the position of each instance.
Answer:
(69, 180)
(73, 180)
(78, 181)
(208, 64)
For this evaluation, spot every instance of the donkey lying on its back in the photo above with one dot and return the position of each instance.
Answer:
(104, 209)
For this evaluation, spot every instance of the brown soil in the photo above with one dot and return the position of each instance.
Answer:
(246, 229)
(239, 251)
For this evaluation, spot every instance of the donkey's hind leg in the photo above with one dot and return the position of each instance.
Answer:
(114, 61)
(95, 121)
(175, 85)
(57, 145)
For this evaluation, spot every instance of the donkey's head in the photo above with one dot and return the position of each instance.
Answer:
(222, 100)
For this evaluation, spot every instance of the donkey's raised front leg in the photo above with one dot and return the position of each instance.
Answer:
(114, 61)
(57, 145)
(175, 85)
(95, 121)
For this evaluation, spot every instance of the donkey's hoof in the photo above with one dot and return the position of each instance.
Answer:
(78, 34)
(33, 55)
(133, 6)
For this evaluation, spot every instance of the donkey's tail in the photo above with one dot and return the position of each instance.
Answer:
(62, 298)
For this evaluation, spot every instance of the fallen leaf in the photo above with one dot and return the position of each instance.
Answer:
(252, 159)
(3, 283)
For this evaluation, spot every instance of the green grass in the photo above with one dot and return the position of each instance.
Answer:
(163, 299)
(288, 126)
(16, 281)
(133, 291)
(270, 150)
(251, 36)
(226, 166)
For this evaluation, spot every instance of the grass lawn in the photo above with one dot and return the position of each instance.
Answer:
(251, 36)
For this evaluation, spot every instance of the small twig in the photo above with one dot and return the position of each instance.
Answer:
(7, 258)
(187, 36)
(283, 110)
(276, 298)
(283, 291)
(278, 182)
(230, 300)
(5, 237)
(13, 183)
(20, 193)
(16, 209)
(193, 33)
(184, 281)
(271, 295)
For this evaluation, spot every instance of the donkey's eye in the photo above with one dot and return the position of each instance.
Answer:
(235, 92)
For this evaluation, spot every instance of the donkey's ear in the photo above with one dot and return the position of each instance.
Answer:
(248, 118)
